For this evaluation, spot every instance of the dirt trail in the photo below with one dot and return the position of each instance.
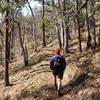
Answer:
(36, 81)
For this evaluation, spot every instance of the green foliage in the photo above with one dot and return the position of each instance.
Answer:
(49, 24)
(82, 18)
(12, 6)
(30, 45)
(49, 40)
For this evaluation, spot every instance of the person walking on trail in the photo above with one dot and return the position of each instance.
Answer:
(57, 65)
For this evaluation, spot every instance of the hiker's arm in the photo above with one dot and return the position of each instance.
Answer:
(51, 64)
(63, 63)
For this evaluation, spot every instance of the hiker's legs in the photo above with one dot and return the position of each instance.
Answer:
(58, 86)
(59, 78)
(55, 81)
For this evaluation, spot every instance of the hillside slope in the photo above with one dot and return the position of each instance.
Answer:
(81, 78)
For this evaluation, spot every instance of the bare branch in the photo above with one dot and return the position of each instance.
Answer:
(94, 11)
(83, 5)
(1, 32)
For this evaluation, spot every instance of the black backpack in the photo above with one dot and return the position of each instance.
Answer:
(57, 61)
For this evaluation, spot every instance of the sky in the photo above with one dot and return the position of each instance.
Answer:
(34, 5)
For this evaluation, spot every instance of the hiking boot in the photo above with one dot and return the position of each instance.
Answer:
(58, 93)
(56, 86)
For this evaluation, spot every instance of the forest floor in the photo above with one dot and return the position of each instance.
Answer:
(81, 78)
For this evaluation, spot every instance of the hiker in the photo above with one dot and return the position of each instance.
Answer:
(57, 65)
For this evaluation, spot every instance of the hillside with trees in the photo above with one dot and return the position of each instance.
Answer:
(27, 43)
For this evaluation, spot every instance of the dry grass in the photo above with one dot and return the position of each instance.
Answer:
(81, 78)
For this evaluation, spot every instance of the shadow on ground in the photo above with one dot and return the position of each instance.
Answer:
(46, 92)
(93, 96)
(75, 84)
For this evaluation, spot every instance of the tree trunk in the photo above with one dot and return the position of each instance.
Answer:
(79, 35)
(0, 55)
(63, 30)
(92, 25)
(67, 37)
(34, 36)
(99, 34)
(59, 38)
(43, 27)
(7, 49)
(66, 20)
(12, 42)
(33, 27)
(59, 4)
(2, 49)
(26, 56)
(88, 28)
(24, 49)
(93, 31)
(53, 3)
(78, 22)
(62, 33)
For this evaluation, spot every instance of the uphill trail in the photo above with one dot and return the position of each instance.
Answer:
(81, 78)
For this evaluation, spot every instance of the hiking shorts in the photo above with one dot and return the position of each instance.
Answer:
(58, 71)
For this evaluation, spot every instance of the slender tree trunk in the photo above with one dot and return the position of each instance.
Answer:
(92, 25)
(2, 48)
(63, 30)
(62, 33)
(88, 28)
(75, 30)
(12, 42)
(59, 3)
(26, 56)
(33, 27)
(78, 22)
(93, 32)
(67, 35)
(7, 49)
(25, 47)
(44, 41)
(35, 42)
(66, 46)
(79, 35)
(12, 36)
(59, 38)
(99, 35)
(53, 3)
(66, 17)
(24, 50)
(1, 55)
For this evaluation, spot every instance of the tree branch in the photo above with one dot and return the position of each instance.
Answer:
(83, 5)
(94, 11)
(1, 32)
